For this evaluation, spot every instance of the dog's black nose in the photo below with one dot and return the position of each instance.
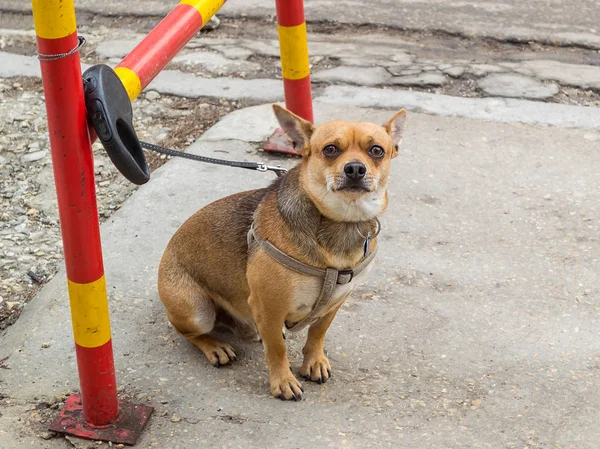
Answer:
(355, 170)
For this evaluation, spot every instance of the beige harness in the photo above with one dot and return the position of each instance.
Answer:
(331, 276)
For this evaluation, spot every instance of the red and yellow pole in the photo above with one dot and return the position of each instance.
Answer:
(76, 192)
(153, 53)
(294, 57)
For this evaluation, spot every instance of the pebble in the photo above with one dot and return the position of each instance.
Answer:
(152, 95)
(175, 418)
(35, 156)
(454, 72)
(47, 435)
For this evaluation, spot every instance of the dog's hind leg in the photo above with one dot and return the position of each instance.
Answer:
(193, 314)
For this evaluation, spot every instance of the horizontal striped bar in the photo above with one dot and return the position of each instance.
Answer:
(130, 80)
(54, 19)
(98, 383)
(294, 52)
(89, 312)
(290, 12)
(206, 8)
(298, 97)
(155, 51)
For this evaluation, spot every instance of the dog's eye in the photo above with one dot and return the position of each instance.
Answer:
(376, 151)
(331, 151)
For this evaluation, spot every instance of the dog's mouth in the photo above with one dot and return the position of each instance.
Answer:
(343, 184)
(352, 188)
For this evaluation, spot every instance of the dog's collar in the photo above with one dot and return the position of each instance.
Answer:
(377, 230)
(331, 277)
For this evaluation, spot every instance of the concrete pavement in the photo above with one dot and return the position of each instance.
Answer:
(509, 110)
(573, 22)
(478, 327)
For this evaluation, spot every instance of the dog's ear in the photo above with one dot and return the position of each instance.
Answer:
(395, 128)
(296, 128)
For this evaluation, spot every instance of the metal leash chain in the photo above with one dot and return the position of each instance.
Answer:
(46, 57)
(259, 166)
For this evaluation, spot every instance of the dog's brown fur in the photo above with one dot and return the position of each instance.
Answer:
(315, 214)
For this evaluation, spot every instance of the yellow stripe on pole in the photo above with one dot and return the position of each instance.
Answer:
(54, 19)
(294, 52)
(130, 80)
(89, 311)
(206, 8)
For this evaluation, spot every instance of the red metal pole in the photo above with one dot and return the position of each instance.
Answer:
(294, 57)
(76, 192)
(155, 51)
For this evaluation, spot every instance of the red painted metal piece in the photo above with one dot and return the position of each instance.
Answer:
(72, 160)
(98, 382)
(280, 143)
(155, 51)
(298, 97)
(125, 429)
(95, 414)
(290, 12)
(73, 166)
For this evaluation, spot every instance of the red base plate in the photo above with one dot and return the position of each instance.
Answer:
(280, 143)
(125, 430)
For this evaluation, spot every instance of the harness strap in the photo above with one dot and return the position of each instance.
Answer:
(331, 276)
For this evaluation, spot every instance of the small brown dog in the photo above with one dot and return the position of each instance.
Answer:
(288, 254)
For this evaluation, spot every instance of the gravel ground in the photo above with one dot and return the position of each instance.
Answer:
(30, 239)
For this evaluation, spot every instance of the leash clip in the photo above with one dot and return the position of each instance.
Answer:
(278, 169)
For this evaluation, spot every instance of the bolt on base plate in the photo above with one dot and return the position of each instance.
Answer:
(126, 429)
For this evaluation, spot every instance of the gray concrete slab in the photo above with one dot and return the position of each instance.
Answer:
(477, 328)
(509, 110)
(362, 76)
(517, 86)
(173, 82)
(564, 22)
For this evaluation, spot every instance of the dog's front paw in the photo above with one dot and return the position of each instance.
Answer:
(286, 387)
(316, 367)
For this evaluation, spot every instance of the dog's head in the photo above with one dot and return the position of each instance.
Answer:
(346, 165)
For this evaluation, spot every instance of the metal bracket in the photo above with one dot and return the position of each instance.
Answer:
(126, 429)
(280, 143)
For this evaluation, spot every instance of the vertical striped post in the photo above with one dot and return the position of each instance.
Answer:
(294, 57)
(155, 51)
(72, 162)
